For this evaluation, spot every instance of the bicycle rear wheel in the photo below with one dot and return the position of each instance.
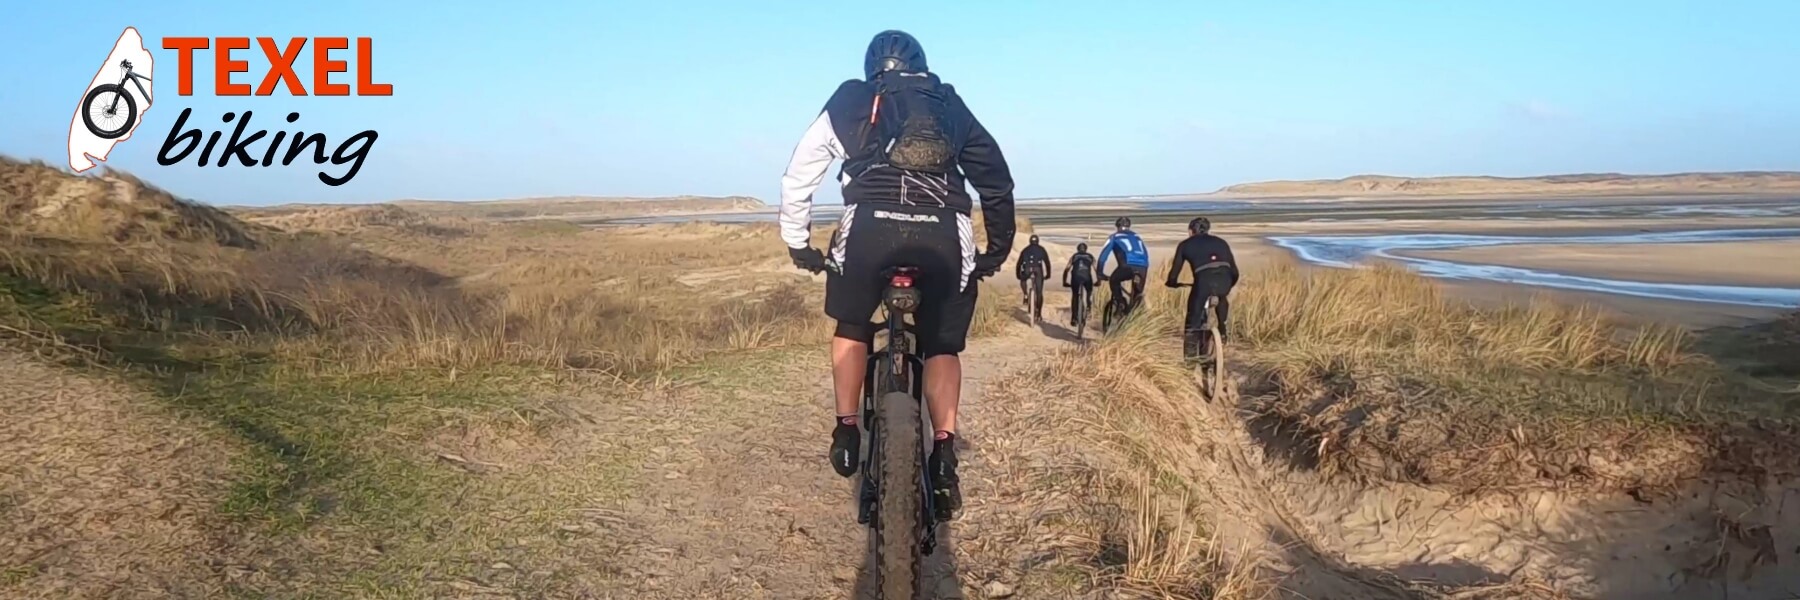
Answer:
(1037, 298)
(1217, 346)
(900, 472)
(1079, 305)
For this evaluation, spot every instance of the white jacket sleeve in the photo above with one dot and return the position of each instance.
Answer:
(812, 158)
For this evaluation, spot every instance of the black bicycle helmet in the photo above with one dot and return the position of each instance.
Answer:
(1081, 247)
(1034, 240)
(893, 50)
(1123, 223)
(1200, 225)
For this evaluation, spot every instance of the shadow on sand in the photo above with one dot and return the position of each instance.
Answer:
(1054, 323)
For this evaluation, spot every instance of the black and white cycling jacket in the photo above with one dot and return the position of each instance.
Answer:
(867, 179)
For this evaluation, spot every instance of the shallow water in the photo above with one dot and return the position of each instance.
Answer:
(1346, 251)
(1779, 208)
(1071, 210)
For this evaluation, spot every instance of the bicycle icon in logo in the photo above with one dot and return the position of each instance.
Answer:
(109, 110)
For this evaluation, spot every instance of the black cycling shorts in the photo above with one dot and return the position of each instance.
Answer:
(1127, 273)
(940, 242)
(1213, 282)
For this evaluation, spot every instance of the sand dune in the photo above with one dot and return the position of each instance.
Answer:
(1742, 182)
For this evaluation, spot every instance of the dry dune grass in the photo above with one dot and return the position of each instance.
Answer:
(1374, 373)
(385, 374)
(1371, 378)
(115, 206)
(1770, 349)
(1107, 476)
(580, 207)
(570, 208)
(393, 289)
(348, 219)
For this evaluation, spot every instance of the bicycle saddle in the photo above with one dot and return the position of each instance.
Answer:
(901, 296)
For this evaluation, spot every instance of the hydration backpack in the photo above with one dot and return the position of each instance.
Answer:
(908, 120)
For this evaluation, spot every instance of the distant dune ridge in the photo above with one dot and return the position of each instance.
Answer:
(1747, 182)
(554, 207)
(569, 206)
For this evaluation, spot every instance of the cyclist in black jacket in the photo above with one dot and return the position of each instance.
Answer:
(1033, 259)
(1078, 276)
(1215, 272)
(895, 216)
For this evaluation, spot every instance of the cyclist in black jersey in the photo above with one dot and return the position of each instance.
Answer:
(1078, 276)
(1215, 273)
(1033, 259)
(899, 215)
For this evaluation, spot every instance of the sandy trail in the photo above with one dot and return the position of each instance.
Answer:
(103, 493)
(742, 504)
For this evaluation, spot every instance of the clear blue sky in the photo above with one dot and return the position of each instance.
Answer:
(508, 99)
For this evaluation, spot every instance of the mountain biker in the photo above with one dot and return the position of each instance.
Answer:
(1033, 259)
(1215, 271)
(1134, 259)
(905, 159)
(1078, 276)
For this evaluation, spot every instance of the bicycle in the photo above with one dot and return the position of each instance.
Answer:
(1080, 304)
(1119, 306)
(1034, 294)
(1207, 346)
(892, 408)
(102, 104)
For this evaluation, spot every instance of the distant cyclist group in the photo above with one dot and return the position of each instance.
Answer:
(905, 244)
(1206, 256)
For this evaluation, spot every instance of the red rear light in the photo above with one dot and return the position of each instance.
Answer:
(902, 281)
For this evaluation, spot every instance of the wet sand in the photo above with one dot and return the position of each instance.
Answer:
(1771, 263)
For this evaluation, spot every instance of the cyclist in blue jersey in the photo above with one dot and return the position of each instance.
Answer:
(1133, 255)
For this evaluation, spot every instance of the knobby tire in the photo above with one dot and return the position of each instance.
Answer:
(1034, 304)
(1216, 385)
(897, 545)
(87, 110)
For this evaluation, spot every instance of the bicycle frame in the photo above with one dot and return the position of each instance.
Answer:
(134, 79)
(904, 367)
(1085, 298)
(1129, 301)
(899, 355)
(1208, 308)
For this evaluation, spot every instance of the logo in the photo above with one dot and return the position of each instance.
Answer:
(113, 104)
(894, 216)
